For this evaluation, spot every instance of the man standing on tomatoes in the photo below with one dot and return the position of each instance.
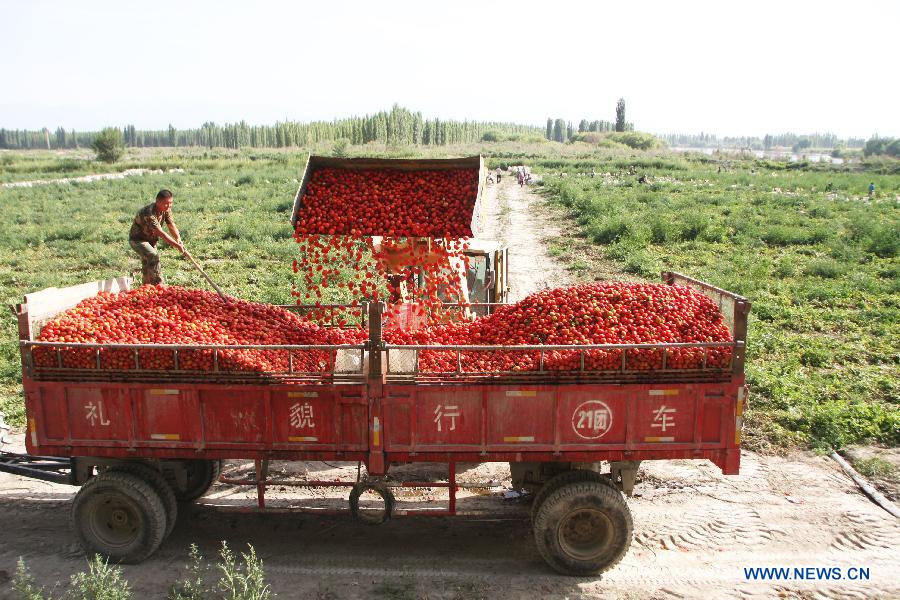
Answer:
(146, 229)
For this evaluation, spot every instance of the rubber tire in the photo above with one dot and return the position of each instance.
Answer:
(383, 490)
(144, 503)
(583, 495)
(205, 475)
(564, 478)
(160, 485)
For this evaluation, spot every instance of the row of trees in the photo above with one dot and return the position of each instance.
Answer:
(882, 147)
(399, 126)
(560, 130)
(767, 142)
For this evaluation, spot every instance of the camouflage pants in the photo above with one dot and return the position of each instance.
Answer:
(150, 271)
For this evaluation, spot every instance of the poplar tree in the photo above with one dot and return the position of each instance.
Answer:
(620, 115)
(559, 130)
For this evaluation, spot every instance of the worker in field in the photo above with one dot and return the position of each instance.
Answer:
(147, 228)
(871, 189)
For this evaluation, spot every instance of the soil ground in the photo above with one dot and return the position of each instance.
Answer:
(695, 529)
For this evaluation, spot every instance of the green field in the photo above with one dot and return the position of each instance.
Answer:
(815, 256)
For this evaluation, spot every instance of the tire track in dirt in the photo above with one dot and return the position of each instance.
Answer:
(864, 532)
(713, 529)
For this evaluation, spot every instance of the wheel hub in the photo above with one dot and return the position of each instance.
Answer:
(119, 517)
(585, 533)
(114, 522)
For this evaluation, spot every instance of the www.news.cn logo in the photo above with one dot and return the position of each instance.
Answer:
(806, 574)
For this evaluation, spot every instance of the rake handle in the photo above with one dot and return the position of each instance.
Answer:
(219, 291)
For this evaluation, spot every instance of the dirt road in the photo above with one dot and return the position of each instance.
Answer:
(695, 529)
(88, 178)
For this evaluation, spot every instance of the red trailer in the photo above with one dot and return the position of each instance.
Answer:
(138, 440)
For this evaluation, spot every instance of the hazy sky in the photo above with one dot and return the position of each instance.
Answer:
(724, 67)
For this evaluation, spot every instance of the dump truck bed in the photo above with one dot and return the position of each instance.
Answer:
(475, 164)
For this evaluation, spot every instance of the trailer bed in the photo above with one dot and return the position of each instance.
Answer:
(372, 402)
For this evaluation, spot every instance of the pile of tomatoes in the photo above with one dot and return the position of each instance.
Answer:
(177, 315)
(390, 202)
(402, 237)
(614, 313)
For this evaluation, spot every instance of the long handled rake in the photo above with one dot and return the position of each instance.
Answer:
(219, 291)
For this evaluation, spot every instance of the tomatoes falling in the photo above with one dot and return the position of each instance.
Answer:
(407, 273)
(400, 232)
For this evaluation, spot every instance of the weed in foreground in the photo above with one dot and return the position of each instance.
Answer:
(101, 581)
(25, 585)
(193, 586)
(239, 580)
(245, 581)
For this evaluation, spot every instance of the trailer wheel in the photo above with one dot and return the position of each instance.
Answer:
(160, 486)
(368, 515)
(201, 475)
(561, 479)
(583, 528)
(119, 516)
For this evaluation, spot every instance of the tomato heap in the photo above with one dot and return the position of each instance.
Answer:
(177, 315)
(587, 314)
(390, 202)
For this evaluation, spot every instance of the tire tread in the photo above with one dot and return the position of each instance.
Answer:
(609, 497)
(565, 478)
(139, 491)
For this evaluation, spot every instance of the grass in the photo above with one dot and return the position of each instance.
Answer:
(821, 269)
(875, 466)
